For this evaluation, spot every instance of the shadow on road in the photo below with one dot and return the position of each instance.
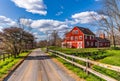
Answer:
(40, 57)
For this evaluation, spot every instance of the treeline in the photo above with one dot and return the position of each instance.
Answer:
(16, 40)
(53, 39)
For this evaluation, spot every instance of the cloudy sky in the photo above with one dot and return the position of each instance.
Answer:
(48, 15)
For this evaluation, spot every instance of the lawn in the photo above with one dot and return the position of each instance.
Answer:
(6, 65)
(91, 53)
(107, 56)
(114, 59)
(78, 71)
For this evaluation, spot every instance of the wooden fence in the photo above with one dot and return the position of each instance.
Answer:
(87, 68)
(5, 55)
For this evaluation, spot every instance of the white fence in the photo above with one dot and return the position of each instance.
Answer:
(86, 68)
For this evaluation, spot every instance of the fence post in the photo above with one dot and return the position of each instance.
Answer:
(87, 63)
(0, 56)
(3, 56)
(11, 54)
(72, 59)
(8, 55)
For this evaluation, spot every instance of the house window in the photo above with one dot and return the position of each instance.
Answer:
(95, 43)
(108, 44)
(66, 38)
(105, 44)
(71, 37)
(85, 36)
(101, 44)
(76, 38)
(80, 37)
(75, 31)
(91, 43)
(87, 43)
(90, 37)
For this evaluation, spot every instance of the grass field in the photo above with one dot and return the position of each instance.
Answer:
(9, 63)
(78, 71)
(114, 59)
(107, 56)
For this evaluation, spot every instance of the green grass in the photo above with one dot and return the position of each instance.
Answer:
(108, 72)
(103, 55)
(78, 71)
(6, 65)
(91, 53)
(114, 59)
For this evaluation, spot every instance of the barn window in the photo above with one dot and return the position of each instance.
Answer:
(85, 36)
(96, 43)
(87, 43)
(101, 44)
(71, 37)
(108, 44)
(91, 43)
(80, 37)
(90, 37)
(75, 31)
(76, 38)
(93, 37)
(67, 38)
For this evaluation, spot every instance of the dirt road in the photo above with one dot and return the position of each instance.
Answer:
(39, 67)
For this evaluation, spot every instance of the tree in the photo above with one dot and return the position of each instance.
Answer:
(110, 19)
(55, 40)
(42, 43)
(15, 39)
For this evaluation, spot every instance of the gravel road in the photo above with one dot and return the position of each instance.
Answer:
(39, 67)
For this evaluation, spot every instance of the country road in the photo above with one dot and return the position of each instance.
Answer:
(39, 67)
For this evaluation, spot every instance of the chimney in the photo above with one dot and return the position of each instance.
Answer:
(102, 35)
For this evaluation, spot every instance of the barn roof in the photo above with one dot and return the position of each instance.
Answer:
(101, 39)
(86, 30)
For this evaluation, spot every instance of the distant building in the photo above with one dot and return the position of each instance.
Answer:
(80, 37)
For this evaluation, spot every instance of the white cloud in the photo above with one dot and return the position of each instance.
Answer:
(33, 6)
(48, 24)
(86, 17)
(59, 13)
(6, 21)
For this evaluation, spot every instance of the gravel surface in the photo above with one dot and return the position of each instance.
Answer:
(39, 67)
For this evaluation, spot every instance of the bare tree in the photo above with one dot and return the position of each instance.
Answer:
(110, 19)
(15, 39)
(55, 39)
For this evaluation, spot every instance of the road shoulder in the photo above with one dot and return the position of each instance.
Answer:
(71, 74)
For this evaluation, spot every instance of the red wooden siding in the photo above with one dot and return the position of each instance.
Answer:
(83, 38)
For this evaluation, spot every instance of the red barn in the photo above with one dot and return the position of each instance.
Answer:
(80, 37)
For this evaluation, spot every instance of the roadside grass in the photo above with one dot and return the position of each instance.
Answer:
(6, 65)
(91, 53)
(77, 70)
(108, 72)
(107, 56)
(114, 59)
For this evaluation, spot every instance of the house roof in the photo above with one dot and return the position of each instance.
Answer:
(86, 30)
(101, 39)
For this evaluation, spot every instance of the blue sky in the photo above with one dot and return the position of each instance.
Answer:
(45, 15)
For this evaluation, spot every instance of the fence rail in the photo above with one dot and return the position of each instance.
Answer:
(5, 55)
(86, 68)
